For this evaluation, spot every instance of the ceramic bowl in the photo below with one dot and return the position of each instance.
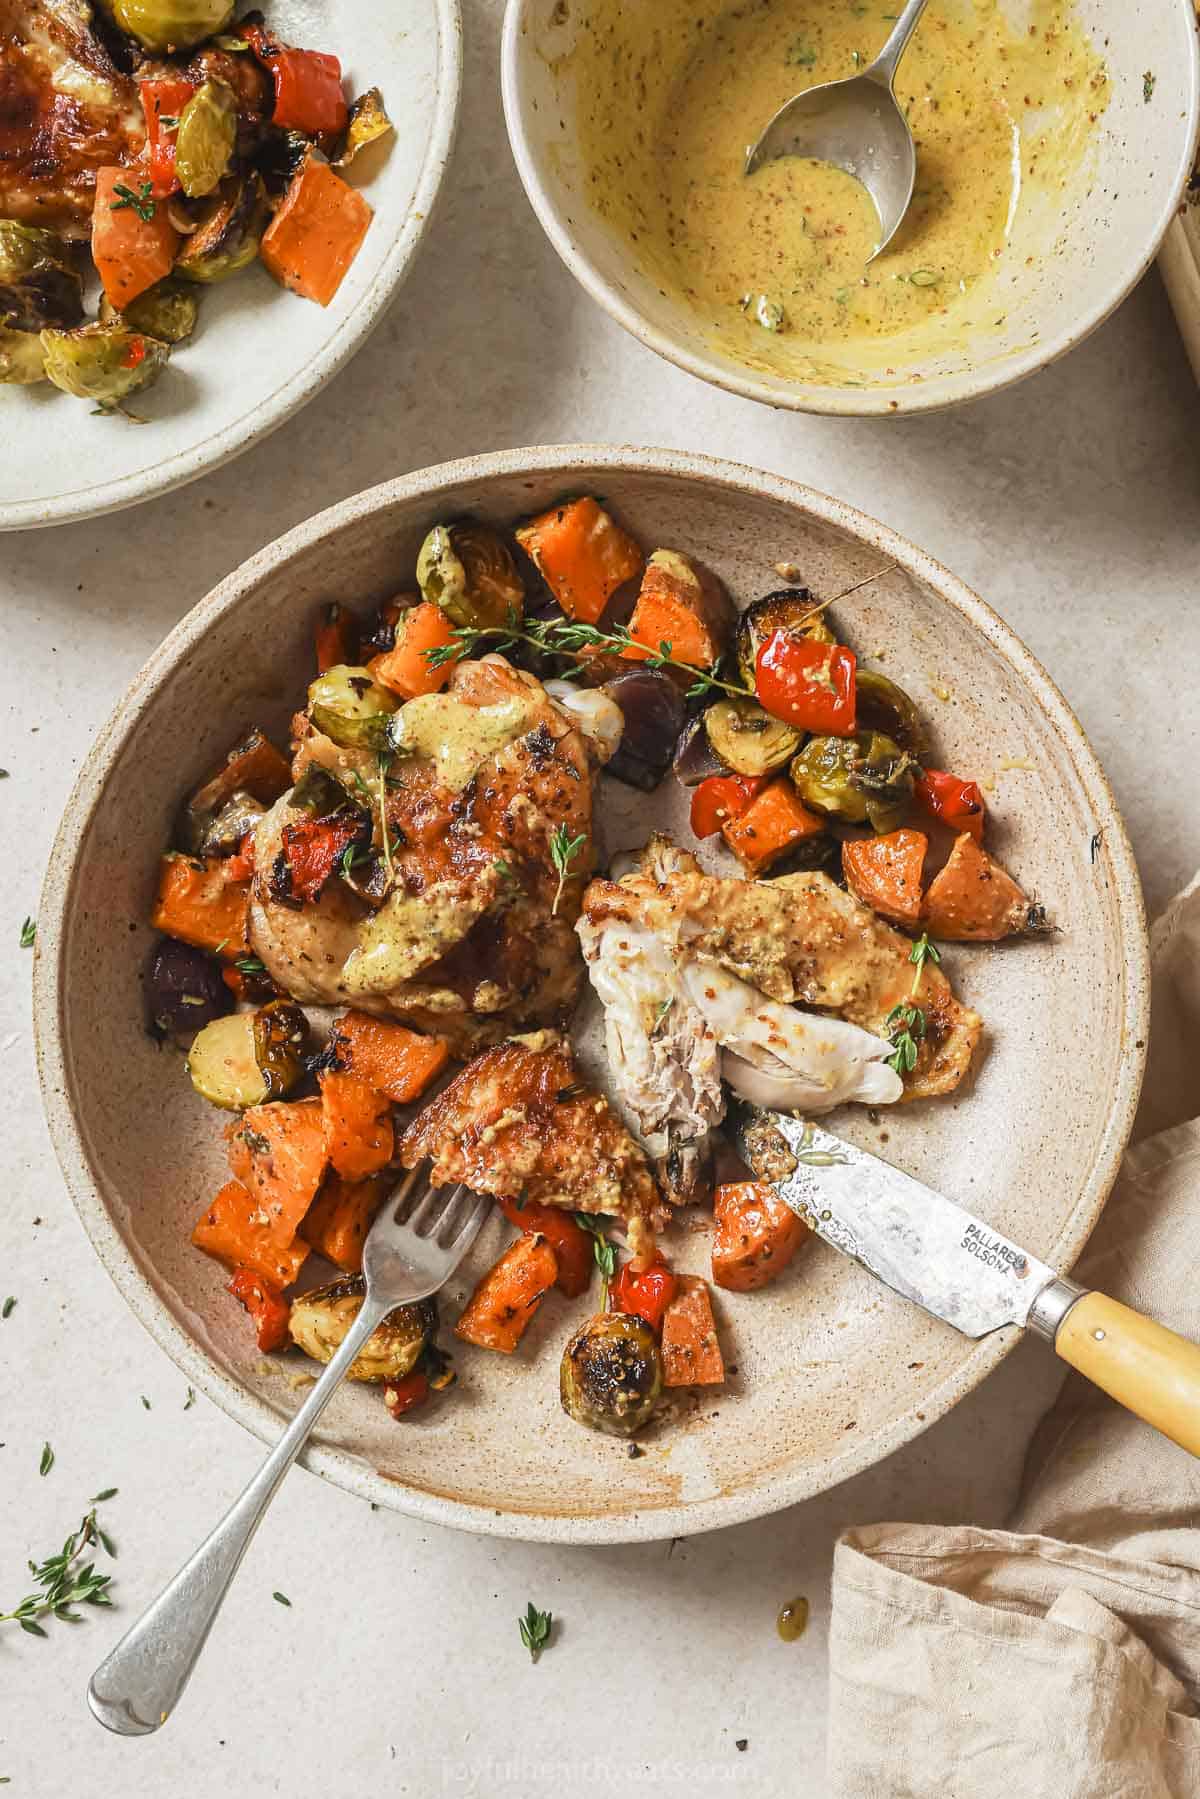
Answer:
(1073, 254)
(260, 353)
(832, 1370)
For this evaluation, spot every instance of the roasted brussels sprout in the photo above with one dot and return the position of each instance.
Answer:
(184, 990)
(162, 25)
(166, 311)
(351, 708)
(652, 707)
(866, 779)
(39, 283)
(228, 240)
(205, 138)
(368, 122)
(320, 1320)
(790, 609)
(22, 358)
(104, 363)
(469, 571)
(882, 706)
(748, 739)
(220, 834)
(278, 155)
(611, 1374)
(249, 1057)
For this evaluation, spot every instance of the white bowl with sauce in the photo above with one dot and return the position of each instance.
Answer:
(1054, 141)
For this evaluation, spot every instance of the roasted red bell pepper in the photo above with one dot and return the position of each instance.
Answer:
(268, 1309)
(956, 803)
(313, 853)
(570, 1242)
(722, 798)
(811, 685)
(240, 866)
(646, 1295)
(336, 638)
(308, 84)
(400, 1396)
(162, 103)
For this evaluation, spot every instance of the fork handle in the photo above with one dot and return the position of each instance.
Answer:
(135, 1689)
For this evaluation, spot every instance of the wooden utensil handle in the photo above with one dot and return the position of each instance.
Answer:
(1144, 1366)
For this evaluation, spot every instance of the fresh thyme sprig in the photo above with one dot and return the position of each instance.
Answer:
(596, 1226)
(63, 1584)
(907, 1022)
(569, 637)
(142, 202)
(563, 850)
(535, 1629)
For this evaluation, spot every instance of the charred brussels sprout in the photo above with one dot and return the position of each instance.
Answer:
(882, 706)
(39, 283)
(166, 311)
(103, 362)
(205, 138)
(611, 1374)
(368, 122)
(184, 991)
(228, 239)
(161, 25)
(350, 708)
(469, 571)
(22, 358)
(249, 1057)
(790, 609)
(867, 779)
(320, 1320)
(748, 739)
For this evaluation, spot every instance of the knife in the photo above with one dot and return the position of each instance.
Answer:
(935, 1253)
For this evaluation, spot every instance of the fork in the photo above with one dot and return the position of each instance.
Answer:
(412, 1249)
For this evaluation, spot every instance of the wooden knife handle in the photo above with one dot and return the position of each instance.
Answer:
(1142, 1365)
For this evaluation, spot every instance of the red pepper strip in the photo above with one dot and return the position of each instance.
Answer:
(163, 100)
(308, 85)
(722, 798)
(646, 1295)
(956, 803)
(267, 1307)
(400, 1396)
(336, 638)
(313, 850)
(569, 1241)
(811, 685)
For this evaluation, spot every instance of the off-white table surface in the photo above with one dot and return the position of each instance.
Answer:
(1072, 504)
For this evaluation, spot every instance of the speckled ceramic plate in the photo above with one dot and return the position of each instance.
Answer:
(832, 1371)
(259, 353)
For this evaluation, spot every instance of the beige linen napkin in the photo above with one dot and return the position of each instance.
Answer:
(1059, 1659)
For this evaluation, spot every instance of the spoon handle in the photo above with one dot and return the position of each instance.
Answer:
(136, 1688)
(885, 64)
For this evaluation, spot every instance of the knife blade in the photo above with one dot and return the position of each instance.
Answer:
(917, 1241)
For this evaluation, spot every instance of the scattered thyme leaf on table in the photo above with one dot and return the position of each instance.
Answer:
(535, 1630)
(28, 933)
(63, 1583)
(47, 1461)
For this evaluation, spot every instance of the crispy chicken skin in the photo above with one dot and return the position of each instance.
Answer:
(65, 111)
(474, 946)
(800, 940)
(519, 1120)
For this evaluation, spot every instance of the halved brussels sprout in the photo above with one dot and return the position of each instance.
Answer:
(469, 571)
(22, 358)
(219, 834)
(861, 780)
(882, 706)
(611, 1375)
(350, 708)
(103, 362)
(39, 282)
(320, 1320)
(368, 122)
(749, 739)
(228, 240)
(166, 311)
(789, 609)
(205, 137)
(161, 25)
(249, 1057)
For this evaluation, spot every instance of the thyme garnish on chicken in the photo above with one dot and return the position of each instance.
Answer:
(906, 1022)
(563, 850)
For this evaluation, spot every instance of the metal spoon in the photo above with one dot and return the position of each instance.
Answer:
(857, 125)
